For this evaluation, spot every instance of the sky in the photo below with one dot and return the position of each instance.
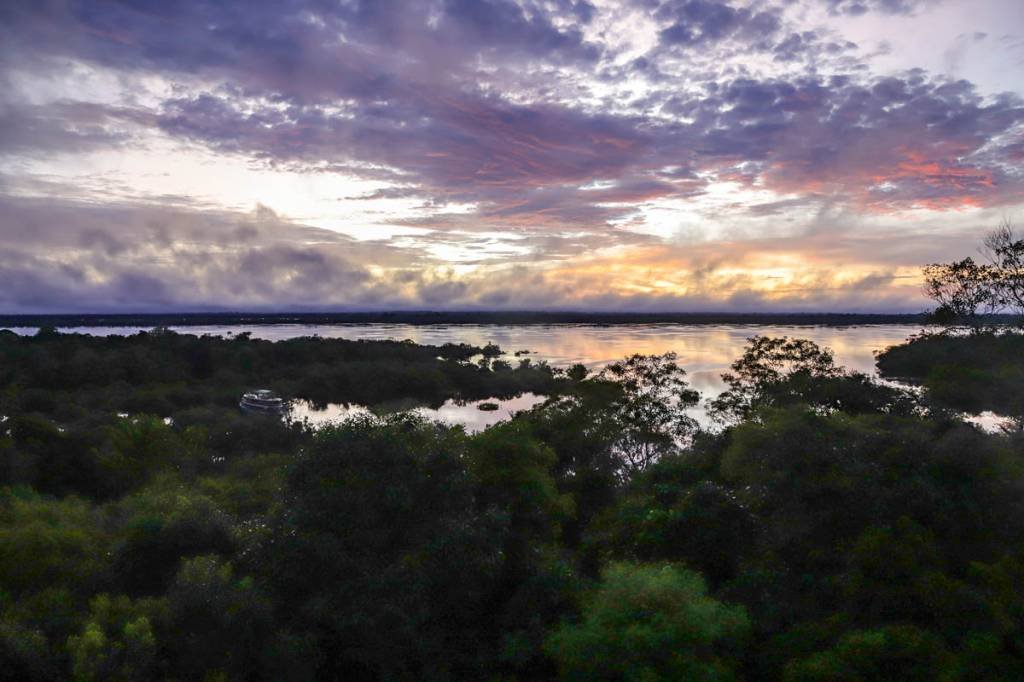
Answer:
(606, 155)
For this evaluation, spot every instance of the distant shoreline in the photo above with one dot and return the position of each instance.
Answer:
(457, 318)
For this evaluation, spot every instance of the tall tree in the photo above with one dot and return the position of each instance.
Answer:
(1006, 257)
(960, 289)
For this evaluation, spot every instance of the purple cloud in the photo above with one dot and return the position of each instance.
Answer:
(543, 120)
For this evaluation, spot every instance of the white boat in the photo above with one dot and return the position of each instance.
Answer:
(263, 401)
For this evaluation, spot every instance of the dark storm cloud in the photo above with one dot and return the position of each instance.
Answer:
(68, 256)
(808, 45)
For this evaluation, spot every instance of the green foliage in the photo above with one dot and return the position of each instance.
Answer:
(116, 642)
(24, 654)
(245, 487)
(825, 478)
(382, 552)
(218, 624)
(511, 470)
(649, 413)
(612, 426)
(776, 372)
(37, 452)
(845, 529)
(47, 543)
(159, 527)
(889, 653)
(164, 373)
(976, 373)
(137, 446)
(767, 363)
(580, 427)
(646, 623)
(704, 525)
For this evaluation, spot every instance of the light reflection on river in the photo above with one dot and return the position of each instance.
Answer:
(468, 414)
(705, 351)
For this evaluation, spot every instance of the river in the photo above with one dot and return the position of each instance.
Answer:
(705, 351)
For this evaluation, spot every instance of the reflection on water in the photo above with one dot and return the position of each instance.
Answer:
(705, 351)
(990, 421)
(467, 414)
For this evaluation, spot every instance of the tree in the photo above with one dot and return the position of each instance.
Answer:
(960, 373)
(648, 623)
(766, 365)
(138, 446)
(47, 543)
(218, 624)
(964, 287)
(117, 641)
(577, 372)
(702, 524)
(960, 289)
(1006, 257)
(24, 654)
(381, 553)
(161, 526)
(511, 472)
(900, 652)
(650, 412)
(606, 428)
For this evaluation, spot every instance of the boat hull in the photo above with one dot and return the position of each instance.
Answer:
(258, 408)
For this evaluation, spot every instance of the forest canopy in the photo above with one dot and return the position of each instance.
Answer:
(832, 527)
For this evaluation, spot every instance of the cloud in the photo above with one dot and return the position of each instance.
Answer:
(342, 86)
(71, 256)
(859, 7)
(536, 144)
(883, 144)
(699, 22)
(61, 127)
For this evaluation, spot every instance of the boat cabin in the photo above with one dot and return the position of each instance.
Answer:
(263, 401)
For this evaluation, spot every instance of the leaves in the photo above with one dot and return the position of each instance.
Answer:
(650, 412)
(768, 363)
(648, 623)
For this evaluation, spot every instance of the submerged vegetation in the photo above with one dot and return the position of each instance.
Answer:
(834, 528)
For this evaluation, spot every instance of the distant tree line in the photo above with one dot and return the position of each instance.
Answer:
(413, 317)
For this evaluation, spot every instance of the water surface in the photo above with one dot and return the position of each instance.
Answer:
(467, 414)
(705, 351)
